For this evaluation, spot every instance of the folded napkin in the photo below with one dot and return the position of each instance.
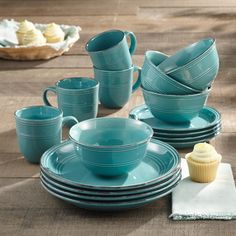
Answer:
(216, 200)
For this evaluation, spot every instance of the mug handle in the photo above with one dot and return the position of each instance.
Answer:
(138, 82)
(133, 41)
(45, 95)
(69, 119)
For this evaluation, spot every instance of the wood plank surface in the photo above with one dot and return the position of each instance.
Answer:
(25, 207)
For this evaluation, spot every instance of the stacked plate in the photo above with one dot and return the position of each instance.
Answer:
(65, 177)
(201, 128)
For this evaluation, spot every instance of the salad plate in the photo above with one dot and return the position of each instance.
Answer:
(207, 118)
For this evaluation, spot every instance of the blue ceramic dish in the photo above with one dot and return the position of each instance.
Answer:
(38, 128)
(207, 119)
(195, 66)
(175, 108)
(116, 87)
(155, 80)
(109, 50)
(111, 146)
(76, 96)
(61, 163)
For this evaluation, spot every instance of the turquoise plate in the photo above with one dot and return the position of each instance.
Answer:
(105, 199)
(185, 134)
(111, 195)
(208, 117)
(187, 138)
(61, 163)
(192, 142)
(112, 206)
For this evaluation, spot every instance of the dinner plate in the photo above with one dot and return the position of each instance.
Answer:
(186, 138)
(111, 194)
(207, 117)
(105, 199)
(62, 163)
(113, 206)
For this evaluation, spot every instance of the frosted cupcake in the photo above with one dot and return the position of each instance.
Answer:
(24, 27)
(33, 37)
(203, 163)
(53, 33)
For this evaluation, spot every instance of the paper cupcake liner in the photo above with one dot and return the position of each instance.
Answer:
(202, 172)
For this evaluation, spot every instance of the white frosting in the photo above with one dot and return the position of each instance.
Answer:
(54, 33)
(204, 152)
(25, 26)
(33, 37)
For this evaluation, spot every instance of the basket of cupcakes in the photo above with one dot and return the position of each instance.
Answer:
(28, 41)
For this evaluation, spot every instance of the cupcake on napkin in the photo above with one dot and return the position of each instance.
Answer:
(24, 27)
(203, 163)
(53, 33)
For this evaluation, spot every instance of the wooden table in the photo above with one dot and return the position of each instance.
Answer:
(25, 208)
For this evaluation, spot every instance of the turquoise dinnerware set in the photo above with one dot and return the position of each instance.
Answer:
(64, 176)
(121, 163)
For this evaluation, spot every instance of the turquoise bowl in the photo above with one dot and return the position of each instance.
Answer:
(111, 146)
(175, 108)
(195, 66)
(155, 80)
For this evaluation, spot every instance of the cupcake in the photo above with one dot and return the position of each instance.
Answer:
(24, 27)
(203, 163)
(33, 37)
(53, 33)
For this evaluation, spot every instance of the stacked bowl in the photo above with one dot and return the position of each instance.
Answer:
(176, 88)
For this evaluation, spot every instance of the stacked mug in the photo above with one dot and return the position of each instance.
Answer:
(113, 68)
(176, 87)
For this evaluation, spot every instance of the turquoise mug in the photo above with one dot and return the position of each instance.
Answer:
(110, 51)
(38, 128)
(76, 97)
(116, 87)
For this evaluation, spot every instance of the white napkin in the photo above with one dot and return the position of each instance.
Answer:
(215, 200)
(7, 33)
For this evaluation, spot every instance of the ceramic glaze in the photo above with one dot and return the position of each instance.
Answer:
(207, 119)
(76, 96)
(155, 80)
(111, 146)
(116, 87)
(38, 128)
(175, 108)
(110, 51)
(62, 164)
(195, 66)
